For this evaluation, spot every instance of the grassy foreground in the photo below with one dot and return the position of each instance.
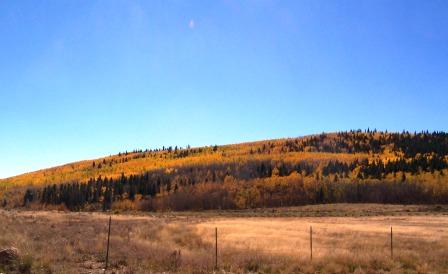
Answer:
(62, 242)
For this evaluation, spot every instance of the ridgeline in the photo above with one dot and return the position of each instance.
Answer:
(353, 166)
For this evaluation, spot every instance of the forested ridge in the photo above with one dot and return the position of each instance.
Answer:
(352, 166)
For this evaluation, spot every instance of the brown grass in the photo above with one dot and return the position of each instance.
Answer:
(59, 242)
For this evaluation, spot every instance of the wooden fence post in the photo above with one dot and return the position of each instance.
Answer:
(108, 241)
(216, 248)
(391, 244)
(311, 243)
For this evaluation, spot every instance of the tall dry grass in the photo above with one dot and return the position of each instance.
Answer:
(57, 242)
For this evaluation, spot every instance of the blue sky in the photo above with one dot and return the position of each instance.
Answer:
(83, 79)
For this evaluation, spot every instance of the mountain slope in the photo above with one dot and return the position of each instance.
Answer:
(396, 167)
(137, 162)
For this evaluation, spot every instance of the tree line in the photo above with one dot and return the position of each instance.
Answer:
(373, 141)
(269, 183)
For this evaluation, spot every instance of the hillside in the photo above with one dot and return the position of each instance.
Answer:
(352, 166)
(137, 162)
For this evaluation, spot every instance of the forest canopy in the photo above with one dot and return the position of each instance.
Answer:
(351, 166)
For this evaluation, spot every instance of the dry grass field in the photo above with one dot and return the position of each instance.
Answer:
(355, 240)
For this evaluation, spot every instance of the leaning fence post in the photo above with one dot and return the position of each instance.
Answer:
(391, 244)
(108, 241)
(311, 242)
(216, 248)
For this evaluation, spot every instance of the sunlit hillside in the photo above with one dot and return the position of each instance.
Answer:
(354, 166)
(137, 162)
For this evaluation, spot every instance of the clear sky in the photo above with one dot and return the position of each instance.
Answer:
(83, 79)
